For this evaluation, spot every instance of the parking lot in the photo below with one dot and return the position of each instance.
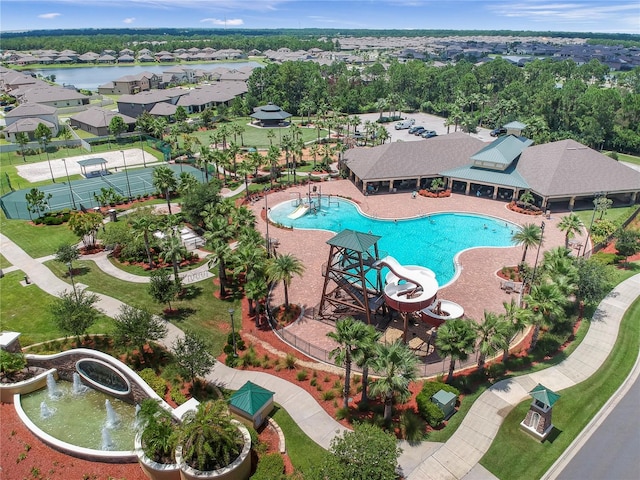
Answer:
(429, 122)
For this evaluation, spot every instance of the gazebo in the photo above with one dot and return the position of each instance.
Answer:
(90, 162)
(270, 115)
(252, 403)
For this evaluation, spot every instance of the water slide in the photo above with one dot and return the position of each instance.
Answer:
(301, 210)
(409, 288)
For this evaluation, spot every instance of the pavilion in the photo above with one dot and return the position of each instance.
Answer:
(270, 115)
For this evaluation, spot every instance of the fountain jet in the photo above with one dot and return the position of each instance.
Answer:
(107, 443)
(52, 387)
(112, 417)
(78, 387)
(45, 410)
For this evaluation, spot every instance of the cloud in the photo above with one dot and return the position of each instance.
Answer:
(49, 16)
(229, 22)
(129, 20)
(580, 11)
(243, 5)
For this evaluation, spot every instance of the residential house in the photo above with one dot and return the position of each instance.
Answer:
(96, 121)
(26, 117)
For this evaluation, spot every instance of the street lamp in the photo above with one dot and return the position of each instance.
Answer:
(126, 173)
(44, 145)
(73, 284)
(73, 200)
(233, 332)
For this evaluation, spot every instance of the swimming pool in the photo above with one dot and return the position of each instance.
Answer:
(431, 241)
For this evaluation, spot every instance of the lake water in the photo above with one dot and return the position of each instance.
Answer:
(89, 78)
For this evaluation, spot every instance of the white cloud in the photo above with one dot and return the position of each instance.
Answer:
(229, 22)
(244, 5)
(580, 11)
(129, 20)
(49, 16)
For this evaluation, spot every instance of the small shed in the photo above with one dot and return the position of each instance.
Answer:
(446, 401)
(538, 419)
(253, 403)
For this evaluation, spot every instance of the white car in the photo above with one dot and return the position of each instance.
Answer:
(404, 124)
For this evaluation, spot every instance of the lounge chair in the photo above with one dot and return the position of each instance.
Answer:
(508, 286)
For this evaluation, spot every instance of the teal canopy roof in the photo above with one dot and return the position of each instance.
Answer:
(356, 241)
(544, 395)
(508, 178)
(91, 161)
(251, 398)
(502, 151)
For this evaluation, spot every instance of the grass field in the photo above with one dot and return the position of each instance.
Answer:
(24, 309)
(4, 263)
(516, 455)
(201, 311)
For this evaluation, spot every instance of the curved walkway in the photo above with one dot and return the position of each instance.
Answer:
(460, 454)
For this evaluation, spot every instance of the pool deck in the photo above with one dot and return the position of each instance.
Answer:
(476, 288)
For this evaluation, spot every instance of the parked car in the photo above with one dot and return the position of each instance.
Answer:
(498, 131)
(413, 129)
(428, 134)
(404, 124)
(8, 108)
(419, 131)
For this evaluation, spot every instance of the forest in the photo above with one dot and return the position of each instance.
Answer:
(556, 99)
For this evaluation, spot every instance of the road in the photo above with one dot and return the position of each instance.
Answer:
(613, 451)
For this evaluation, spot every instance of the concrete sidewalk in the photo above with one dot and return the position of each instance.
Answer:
(458, 456)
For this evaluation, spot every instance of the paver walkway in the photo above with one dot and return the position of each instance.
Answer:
(456, 458)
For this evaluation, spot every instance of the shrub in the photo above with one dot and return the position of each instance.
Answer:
(328, 395)
(431, 413)
(178, 396)
(342, 413)
(154, 381)
(53, 220)
(290, 361)
(313, 382)
(604, 258)
(250, 358)
(270, 467)
(302, 375)
(496, 370)
(423, 400)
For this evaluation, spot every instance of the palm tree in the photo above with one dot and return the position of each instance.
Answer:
(218, 233)
(349, 334)
(455, 339)
(283, 268)
(174, 250)
(544, 303)
(396, 366)
(489, 341)
(530, 235)
(364, 356)
(256, 290)
(527, 198)
(187, 182)
(571, 225)
(165, 181)
(142, 224)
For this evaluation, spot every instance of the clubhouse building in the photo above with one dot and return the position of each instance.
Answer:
(561, 175)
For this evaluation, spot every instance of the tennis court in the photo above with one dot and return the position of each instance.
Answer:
(81, 192)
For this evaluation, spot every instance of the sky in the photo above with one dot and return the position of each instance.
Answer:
(617, 16)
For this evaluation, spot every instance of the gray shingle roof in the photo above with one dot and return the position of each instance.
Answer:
(99, 117)
(31, 110)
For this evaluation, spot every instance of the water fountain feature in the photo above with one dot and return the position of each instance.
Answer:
(45, 410)
(112, 417)
(52, 388)
(79, 419)
(107, 442)
(78, 387)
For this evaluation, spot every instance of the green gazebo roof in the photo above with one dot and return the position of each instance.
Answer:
(251, 398)
(356, 241)
(91, 161)
(544, 395)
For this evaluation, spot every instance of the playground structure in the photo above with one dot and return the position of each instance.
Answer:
(80, 194)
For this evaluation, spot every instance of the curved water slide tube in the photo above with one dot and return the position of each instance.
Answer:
(418, 290)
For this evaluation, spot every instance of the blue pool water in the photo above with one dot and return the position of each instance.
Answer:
(431, 241)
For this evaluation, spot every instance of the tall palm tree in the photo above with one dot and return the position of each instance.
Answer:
(544, 303)
(218, 233)
(349, 334)
(187, 183)
(165, 181)
(142, 223)
(256, 290)
(283, 268)
(487, 332)
(571, 225)
(364, 357)
(174, 250)
(530, 235)
(396, 366)
(455, 339)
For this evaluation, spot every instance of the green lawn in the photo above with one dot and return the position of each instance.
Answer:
(515, 454)
(305, 454)
(24, 309)
(4, 263)
(203, 313)
(617, 215)
(36, 240)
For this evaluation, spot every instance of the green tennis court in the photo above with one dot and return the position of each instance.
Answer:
(130, 183)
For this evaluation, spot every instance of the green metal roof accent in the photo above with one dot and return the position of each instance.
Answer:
(502, 151)
(507, 178)
(91, 161)
(356, 241)
(544, 395)
(251, 398)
